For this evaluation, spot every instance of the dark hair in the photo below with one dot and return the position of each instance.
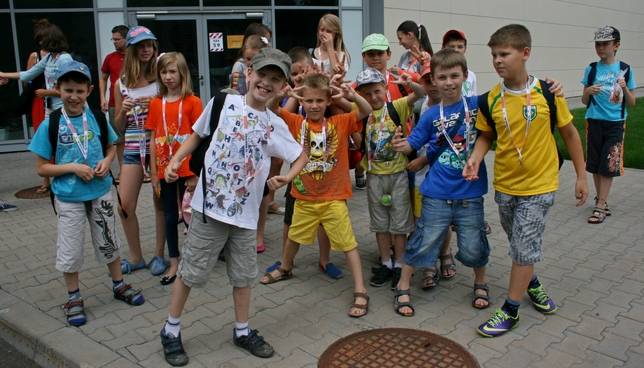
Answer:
(258, 29)
(39, 25)
(514, 35)
(299, 53)
(121, 29)
(449, 58)
(52, 39)
(420, 32)
(76, 77)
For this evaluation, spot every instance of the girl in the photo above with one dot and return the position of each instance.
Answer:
(132, 94)
(330, 54)
(252, 45)
(414, 39)
(170, 121)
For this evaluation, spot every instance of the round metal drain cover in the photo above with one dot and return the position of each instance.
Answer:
(396, 347)
(30, 193)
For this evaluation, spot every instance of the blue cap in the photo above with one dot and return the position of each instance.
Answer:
(74, 67)
(138, 34)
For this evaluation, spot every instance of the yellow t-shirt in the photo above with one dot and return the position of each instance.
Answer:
(538, 173)
(378, 146)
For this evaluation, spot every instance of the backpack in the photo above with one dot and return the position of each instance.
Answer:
(199, 154)
(54, 123)
(484, 108)
(393, 114)
(592, 74)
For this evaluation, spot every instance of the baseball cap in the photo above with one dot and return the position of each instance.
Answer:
(607, 33)
(369, 76)
(74, 67)
(138, 34)
(270, 56)
(375, 41)
(453, 34)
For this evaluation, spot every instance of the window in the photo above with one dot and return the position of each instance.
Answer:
(37, 4)
(156, 3)
(306, 2)
(237, 2)
(10, 121)
(297, 27)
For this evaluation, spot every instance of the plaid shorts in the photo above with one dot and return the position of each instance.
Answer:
(524, 220)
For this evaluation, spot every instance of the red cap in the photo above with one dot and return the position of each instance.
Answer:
(451, 33)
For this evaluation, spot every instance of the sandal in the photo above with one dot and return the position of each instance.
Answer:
(447, 265)
(75, 312)
(276, 209)
(478, 296)
(398, 305)
(167, 280)
(131, 296)
(283, 275)
(361, 307)
(43, 189)
(332, 271)
(157, 265)
(430, 278)
(598, 216)
(127, 267)
(606, 209)
(273, 267)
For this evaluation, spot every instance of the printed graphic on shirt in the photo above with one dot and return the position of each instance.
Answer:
(463, 141)
(321, 147)
(380, 145)
(237, 156)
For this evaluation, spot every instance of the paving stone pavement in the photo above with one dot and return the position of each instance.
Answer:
(594, 272)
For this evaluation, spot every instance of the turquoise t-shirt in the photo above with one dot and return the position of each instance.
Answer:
(602, 108)
(69, 187)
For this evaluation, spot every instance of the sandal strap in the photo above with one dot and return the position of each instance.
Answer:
(74, 307)
(400, 292)
(358, 294)
(481, 287)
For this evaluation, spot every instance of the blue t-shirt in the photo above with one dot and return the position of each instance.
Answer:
(445, 178)
(69, 187)
(602, 108)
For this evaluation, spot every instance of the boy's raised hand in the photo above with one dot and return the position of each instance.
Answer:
(594, 89)
(555, 87)
(84, 172)
(471, 170)
(403, 79)
(400, 143)
(277, 182)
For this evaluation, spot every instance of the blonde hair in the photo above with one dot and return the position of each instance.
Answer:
(332, 22)
(318, 81)
(184, 73)
(134, 69)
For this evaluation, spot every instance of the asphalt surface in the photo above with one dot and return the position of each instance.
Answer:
(11, 358)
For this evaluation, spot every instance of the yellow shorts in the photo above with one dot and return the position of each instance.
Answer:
(417, 202)
(334, 217)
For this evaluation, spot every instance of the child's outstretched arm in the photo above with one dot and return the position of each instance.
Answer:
(364, 109)
(417, 89)
(573, 144)
(186, 148)
(45, 168)
(481, 147)
(279, 181)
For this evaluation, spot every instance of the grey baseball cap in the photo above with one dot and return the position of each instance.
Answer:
(369, 76)
(607, 33)
(270, 56)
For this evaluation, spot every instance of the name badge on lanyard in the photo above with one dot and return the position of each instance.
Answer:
(442, 128)
(83, 146)
(171, 139)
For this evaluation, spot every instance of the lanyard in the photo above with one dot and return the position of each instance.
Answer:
(143, 149)
(387, 74)
(83, 147)
(443, 129)
(170, 140)
(528, 116)
(304, 130)
(371, 154)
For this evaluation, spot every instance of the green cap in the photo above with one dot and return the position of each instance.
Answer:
(375, 41)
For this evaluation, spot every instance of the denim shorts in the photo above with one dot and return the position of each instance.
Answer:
(130, 159)
(524, 220)
(436, 217)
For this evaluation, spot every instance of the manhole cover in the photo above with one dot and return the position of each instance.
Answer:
(396, 347)
(30, 193)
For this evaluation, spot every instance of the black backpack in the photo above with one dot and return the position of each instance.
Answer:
(592, 74)
(54, 123)
(198, 155)
(484, 108)
(393, 114)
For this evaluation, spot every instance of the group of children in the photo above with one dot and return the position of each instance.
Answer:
(314, 123)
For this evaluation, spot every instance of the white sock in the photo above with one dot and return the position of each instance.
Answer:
(387, 263)
(397, 264)
(241, 329)
(172, 326)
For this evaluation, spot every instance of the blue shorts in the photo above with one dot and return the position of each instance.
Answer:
(130, 159)
(436, 217)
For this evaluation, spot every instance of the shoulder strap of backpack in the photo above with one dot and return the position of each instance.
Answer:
(54, 122)
(484, 108)
(550, 99)
(627, 76)
(218, 101)
(592, 74)
(393, 114)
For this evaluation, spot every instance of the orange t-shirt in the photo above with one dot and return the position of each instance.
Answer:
(190, 113)
(326, 176)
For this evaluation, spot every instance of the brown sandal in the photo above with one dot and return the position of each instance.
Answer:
(430, 278)
(598, 216)
(284, 275)
(447, 264)
(361, 307)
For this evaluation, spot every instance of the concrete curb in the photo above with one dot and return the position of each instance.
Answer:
(49, 342)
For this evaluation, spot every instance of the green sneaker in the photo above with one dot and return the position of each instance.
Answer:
(498, 324)
(541, 301)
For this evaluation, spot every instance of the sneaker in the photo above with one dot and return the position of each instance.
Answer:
(380, 276)
(395, 277)
(254, 343)
(361, 182)
(6, 207)
(541, 301)
(173, 349)
(498, 324)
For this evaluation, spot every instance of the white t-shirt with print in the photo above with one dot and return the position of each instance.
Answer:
(238, 160)
(469, 85)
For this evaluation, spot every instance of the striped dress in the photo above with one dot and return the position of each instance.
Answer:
(135, 133)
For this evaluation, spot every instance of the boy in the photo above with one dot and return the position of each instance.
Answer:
(322, 188)
(81, 187)
(447, 197)
(607, 93)
(229, 192)
(387, 181)
(525, 167)
(455, 39)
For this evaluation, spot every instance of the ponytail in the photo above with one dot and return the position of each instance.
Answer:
(419, 32)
